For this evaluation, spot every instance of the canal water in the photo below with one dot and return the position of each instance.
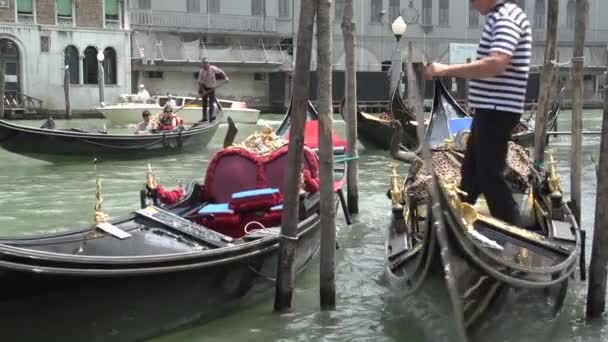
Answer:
(38, 197)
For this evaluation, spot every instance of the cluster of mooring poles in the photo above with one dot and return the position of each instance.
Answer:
(322, 10)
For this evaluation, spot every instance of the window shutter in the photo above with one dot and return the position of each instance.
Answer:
(64, 8)
(111, 7)
(25, 6)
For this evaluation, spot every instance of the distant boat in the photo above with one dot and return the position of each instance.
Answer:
(129, 110)
(56, 144)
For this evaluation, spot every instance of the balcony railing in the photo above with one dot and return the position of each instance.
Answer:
(25, 18)
(205, 21)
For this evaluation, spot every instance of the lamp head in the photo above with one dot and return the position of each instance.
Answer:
(100, 56)
(398, 27)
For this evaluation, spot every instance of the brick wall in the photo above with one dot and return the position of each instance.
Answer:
(8, 14)
(45, 12)
(89, 13)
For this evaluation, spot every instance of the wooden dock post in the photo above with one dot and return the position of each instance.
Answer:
(548, 78)
(2, 115)
(287, 246)
(350, 107)
(578, 62)
(66, 92)
(598, 271)
(409, 74)
(327, 288)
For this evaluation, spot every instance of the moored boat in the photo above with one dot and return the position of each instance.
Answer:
(190, 109)
(198, 254)
(480, 262)
(57, 144)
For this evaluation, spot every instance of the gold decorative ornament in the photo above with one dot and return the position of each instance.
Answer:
(100, 215)
(554, 179)
(150, 179)
(396, 186)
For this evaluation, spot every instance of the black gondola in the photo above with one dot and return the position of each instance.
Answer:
(376, 131)
(479, 261)
(160, 267)
(55, 144)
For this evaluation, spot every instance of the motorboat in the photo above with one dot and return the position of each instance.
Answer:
(128, 110)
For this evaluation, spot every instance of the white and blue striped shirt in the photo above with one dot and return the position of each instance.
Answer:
(507, 30)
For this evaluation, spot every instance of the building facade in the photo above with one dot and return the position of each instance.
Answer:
(38, 38)
(250, 40)
(253, 41)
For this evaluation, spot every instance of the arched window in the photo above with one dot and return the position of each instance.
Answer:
(427, 12)
(539, 14)
(89, 65)
(71, 60)
(571, 14)
(109, 65)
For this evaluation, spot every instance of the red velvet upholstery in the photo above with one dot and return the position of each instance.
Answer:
(237, 169)
(255, 203)
(275, 167)
(227, 224)
(232, 170)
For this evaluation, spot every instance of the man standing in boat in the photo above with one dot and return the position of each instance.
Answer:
(207, 83)
(497, 92)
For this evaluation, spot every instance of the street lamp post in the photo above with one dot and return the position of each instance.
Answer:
(398, 27)
(100, 76)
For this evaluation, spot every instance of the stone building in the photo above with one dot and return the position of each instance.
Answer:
(254, 39)
(39, 37)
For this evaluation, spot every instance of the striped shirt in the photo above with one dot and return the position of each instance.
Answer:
(507, 30)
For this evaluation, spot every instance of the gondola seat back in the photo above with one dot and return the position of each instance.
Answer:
(244, 187)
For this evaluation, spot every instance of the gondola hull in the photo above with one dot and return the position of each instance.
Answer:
(483, 264)
(125, 298)
(51, 145)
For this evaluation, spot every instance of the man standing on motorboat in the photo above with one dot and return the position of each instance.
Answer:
(497, 92)
(142, 95)
(207, 83)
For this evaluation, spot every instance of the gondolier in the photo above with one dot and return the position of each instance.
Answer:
(207, 83)
(497, 93)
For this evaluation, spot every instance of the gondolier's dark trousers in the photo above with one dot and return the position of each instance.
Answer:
(485, 161)
(209, 99)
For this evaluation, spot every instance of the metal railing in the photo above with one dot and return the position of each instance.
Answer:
(25, 18)
(210, 22)
(567, 35)
(17, 103)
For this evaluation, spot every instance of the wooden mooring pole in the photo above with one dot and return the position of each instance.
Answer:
(548, 78)
(287, 246)
(327, 288)
(350, 107)
(598, 269)
(2, 115)
(66, 92)
(409, 75)
(578, 62)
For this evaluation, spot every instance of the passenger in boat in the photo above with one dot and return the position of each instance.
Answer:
(168, 120)
(207, 82)
(142, 95)
(497, 91)
(146, 126)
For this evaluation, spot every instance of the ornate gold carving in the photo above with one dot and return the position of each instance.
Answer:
(150, 179)
(396, 186)
(555, 180)
(100, 215)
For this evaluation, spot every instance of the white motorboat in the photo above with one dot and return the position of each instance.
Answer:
(129, 109)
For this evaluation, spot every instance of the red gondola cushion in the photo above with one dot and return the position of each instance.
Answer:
(255, 200)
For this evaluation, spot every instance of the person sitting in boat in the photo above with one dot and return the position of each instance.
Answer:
(168, 120)
(143, 95)
(146, 126)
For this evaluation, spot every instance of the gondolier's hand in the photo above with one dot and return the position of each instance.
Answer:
(435, 70)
